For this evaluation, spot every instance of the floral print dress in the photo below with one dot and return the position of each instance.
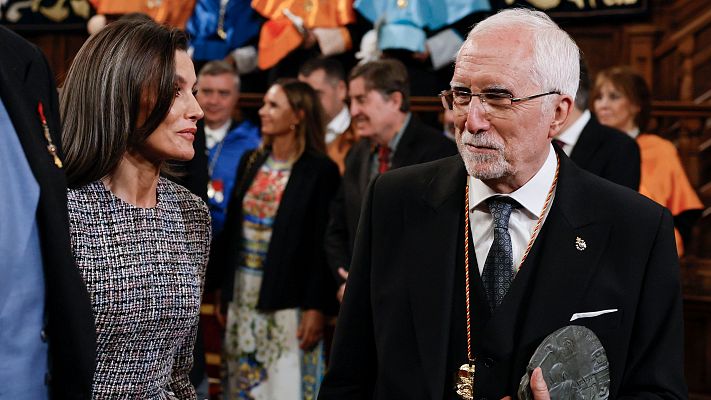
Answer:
(262, 356)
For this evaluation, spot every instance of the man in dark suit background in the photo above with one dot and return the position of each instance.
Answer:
(391, 137)
(604, 151)
(450, 270)
(47, 339)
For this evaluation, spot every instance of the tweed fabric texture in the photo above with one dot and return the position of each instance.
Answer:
(498, 269)
(144, 269)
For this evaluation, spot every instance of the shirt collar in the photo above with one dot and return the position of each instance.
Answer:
(633, 133)
(214, 136)
(570, 136)
(531, 196)
(396, 139)
(340, 122)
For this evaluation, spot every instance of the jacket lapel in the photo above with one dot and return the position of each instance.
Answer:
(431, 286)
(25, 118)
(407, 150)
(573, 241)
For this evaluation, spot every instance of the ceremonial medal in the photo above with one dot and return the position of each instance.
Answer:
(215, 190)
(465, 381)
(465, 376)
(51, 148)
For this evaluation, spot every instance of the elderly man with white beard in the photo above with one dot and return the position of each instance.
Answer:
(463, 266)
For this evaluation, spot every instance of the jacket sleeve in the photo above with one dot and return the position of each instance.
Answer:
(352, 369)
(336, 238)
(321, 289)
(655, 365)
(625, 164)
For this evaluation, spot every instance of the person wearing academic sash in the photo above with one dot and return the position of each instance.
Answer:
(463, 266)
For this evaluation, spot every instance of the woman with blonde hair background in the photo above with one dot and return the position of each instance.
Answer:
(621, 100)
(271, 254)
(140, 241)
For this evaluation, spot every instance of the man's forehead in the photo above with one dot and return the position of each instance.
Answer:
(487, 58)
(220, 79)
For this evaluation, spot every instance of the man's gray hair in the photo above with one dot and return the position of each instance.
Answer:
(556, 64)
(219, 67)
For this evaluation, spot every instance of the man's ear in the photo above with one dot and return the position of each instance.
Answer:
(560, 114)
(396, 97)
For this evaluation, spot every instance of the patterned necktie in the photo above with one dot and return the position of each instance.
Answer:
(498, 270)
(383, 159)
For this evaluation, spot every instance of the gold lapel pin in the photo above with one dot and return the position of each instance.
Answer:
(580, 244)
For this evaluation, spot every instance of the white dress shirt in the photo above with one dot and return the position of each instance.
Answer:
(531, 197)
(215, 136)
(570, 136)
(338, 125)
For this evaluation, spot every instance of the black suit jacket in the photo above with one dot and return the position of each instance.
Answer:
(26, 80)
(419, 143)
(608, 153)
(394, 331)
(295, 271)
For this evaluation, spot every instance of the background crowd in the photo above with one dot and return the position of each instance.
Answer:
(268, 222)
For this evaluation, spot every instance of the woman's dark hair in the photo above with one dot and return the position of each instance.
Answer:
(118, 90)
(305, 103)
(633, 86)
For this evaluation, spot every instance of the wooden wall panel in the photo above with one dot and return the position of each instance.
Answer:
(59, 48)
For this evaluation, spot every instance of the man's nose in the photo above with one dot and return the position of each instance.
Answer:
(477, 116)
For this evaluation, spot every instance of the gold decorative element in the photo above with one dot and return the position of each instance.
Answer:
(80, 8)
(57, 12)
(402, 3)
(51, 148)
(580, 244)
(465, 381)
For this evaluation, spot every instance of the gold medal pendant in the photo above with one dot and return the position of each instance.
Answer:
(465, 381)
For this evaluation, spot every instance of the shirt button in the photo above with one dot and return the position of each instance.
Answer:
(43, 335)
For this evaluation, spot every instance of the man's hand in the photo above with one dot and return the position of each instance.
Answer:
(538, 386)
(342, 289)
(311, 329)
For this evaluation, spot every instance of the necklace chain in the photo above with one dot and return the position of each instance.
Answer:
(536, 229)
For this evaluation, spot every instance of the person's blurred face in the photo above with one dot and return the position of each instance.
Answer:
(218, 97)
(374, 114)
(504, 146)
(613, 108)
(173, 139)
(277, 116)
(332, 95)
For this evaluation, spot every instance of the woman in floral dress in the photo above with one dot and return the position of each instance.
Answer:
(277, 285)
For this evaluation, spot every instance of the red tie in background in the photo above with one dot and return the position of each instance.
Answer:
(383, 159)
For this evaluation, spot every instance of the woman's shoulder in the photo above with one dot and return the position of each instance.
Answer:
(653, 142)
(318, 160)
(182, 196)
(78, 198)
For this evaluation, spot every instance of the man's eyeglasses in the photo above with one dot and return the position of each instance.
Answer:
(460, 100)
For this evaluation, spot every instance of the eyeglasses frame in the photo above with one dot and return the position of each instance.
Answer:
(445, 103)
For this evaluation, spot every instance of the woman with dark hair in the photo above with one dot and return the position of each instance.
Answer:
(140, 241)
(271, 254)
(621, 100)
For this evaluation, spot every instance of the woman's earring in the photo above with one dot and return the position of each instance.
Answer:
(292, 127)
